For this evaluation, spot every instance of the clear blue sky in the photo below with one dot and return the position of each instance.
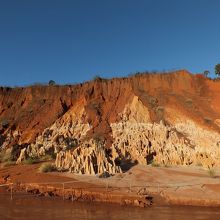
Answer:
(73, 40)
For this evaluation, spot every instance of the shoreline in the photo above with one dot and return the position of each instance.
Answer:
(92, 189)
(82, 195)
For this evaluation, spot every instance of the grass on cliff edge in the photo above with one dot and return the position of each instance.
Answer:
(47, 167)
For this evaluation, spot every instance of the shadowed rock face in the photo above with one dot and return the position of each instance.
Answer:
(111, 125)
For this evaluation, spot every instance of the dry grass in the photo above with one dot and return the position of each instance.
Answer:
(155, 164)
(211, 173)
(9, 163)
(47, 167)
(31, 160)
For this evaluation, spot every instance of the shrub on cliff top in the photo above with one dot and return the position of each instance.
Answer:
(51, 83)
(99, 78)
(217, 69)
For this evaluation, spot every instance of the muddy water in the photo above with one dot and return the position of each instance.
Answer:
(29, 207)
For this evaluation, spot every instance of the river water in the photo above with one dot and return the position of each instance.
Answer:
(32, 208)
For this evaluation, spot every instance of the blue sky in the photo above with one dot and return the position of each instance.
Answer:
(73, 40)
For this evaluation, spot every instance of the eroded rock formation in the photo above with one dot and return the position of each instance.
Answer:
(109, 126)
(89, 158)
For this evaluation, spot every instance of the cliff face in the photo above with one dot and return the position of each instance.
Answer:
(110, 125)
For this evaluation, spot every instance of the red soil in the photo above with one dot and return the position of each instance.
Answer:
(30, 110)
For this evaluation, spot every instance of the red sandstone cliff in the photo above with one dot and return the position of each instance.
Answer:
(177, 99)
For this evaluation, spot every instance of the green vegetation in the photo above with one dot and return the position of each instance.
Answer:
(139, 74)
(9, 163)
(31, 160)
(47, 167)
(46, 157)
(211, 173)
(155, 164)
(99, 78)
(51, 83)
(5, 156)
(166, 165)
(206, 73)
(199, 164)
(217, 69)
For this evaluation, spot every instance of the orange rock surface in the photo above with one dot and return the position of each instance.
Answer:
(171, 118)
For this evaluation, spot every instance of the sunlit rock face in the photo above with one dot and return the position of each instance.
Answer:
(64, 133)
(165, 145)
(112, 125)
(89, 158)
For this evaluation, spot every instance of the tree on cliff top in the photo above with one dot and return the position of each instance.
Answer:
(51, 83)
(217, 69)
(206, 73)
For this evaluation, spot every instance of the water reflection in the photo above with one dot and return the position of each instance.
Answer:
(29, 207)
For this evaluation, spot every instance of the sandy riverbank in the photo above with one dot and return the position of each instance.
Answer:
(140, 186)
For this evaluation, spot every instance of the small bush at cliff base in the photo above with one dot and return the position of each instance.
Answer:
(211, 172)
(48, 157)
(155, 164)
(31, 160)
(5, 156)
(9, 163)
(47, 167)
